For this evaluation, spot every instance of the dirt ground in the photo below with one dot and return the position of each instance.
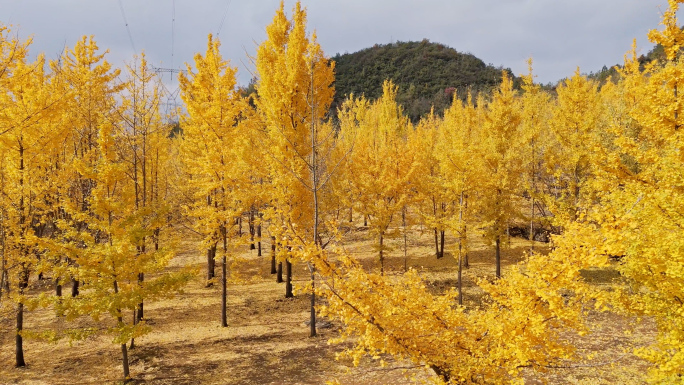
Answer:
(267, 340)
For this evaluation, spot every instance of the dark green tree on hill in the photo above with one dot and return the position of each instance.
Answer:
(426, 73)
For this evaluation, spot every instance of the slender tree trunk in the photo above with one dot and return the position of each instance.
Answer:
(135, 322)
(58, 288)
(403, 224)
(5, 282)
(4, 279)
(466, 262)
(532, 228)
(124, 361)
(279, 273)
(124, 351)
(141, 315)
(252, 230)
(676, 113)
(141, 280)
(156, 239)
(19, 361)
(351, 214)
(273, 256)
(312, 319)
(434, 212)
(211, 265)
(258, 231)
(224, 290)
(382, 256)
(365, 221)
(460, 274)
(74, 287)
(461, 237)
(288, 279)
(534, 190)
(441, 247)
(498, 257)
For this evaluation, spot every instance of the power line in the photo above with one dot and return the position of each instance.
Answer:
(218, 33)
(130, 36)
(173, 29)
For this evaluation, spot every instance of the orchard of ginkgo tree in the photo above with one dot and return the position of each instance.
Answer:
(96, 192)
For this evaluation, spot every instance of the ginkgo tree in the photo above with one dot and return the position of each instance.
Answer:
(638, 202)
(294, 91)
(383, 162)
(461, 169)
(31, 134)
(215, 146)
(502, 162)
(92, 84)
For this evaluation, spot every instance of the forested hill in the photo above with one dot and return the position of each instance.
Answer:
(656, 54)
(427, 74)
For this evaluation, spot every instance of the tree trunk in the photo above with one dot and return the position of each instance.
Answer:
(74, 287)
(273, 256)
(441, 373)
(288, 277)
(4, 283)
(156, 239)
(19, 362)
(141, 315)
(58, 288)
(211, 265)
(351, 214)
(258, 231)
(365, 221)
(532, 228)
(279, 274)
(135, 322)
(461, 236)
(224, 290)
(312, 320)
(124, 351)
(382, 256)
(437, 243)
(498, 257)
(403, 224)
(252, 230)
(441, 247)
(124, 361)
(460, 275)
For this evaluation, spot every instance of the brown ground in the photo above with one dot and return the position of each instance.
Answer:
(267, 341)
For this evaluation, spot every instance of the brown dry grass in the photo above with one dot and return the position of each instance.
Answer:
(267, 341)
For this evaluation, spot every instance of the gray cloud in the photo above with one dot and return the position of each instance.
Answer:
(559, 35)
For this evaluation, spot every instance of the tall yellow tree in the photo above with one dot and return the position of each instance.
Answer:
(534, 137)
(29, 142)
(108, 252)
(434, 202)
(461, 170)
(92, 86)
(637, 208)
(575, 125)
(139, 129)
(383, 163)
(294, 94)
(215, 151)
(502, 163)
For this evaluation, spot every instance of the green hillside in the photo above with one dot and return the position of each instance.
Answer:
(427, 74)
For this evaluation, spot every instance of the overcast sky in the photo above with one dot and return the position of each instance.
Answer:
(558, 35)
